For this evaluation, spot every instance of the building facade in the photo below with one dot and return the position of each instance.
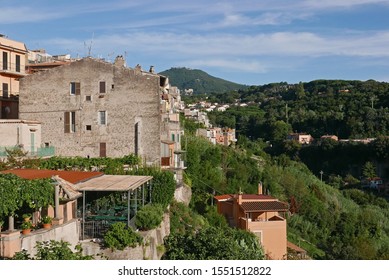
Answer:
(92, 108)
(261, 214)
(12, 68)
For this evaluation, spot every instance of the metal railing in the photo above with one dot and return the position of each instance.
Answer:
(39, 152)
(13, 68)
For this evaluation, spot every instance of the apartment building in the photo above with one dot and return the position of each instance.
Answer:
(93, 108)
(261, 214)
(12, 68)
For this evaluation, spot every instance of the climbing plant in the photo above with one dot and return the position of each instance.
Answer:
(16, 193)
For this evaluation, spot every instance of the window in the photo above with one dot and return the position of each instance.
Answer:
(88, 127)
(5, 90)
(5, 61)
(102, 87)
(103, 149)
(172, 136)
(70, 122)
(88, 98)
(75, 88)
(17, 66)
(102, 117)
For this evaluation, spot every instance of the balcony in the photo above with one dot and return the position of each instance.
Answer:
(9, 95)
(12, 69)
(38, 152)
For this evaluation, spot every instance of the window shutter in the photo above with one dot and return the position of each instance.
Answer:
(78, 88)
(102, 87)
(67, 122)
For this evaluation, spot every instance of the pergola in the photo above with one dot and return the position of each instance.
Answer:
(128, 184)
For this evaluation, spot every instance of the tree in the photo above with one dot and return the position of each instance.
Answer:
(369, 170)
(213, 244)
(53, 250)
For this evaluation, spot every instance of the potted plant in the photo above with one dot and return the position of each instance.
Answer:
(27, 217)
(26, 227)
(46, 221)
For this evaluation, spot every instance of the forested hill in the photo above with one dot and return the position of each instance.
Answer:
(199, 81)
(348, 109)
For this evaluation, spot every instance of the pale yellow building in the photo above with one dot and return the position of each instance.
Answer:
(13, 56)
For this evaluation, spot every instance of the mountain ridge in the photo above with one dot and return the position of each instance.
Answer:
(199, 80)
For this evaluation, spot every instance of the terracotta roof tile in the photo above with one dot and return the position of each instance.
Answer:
(73, 177)
(253, 206)
(223, 197)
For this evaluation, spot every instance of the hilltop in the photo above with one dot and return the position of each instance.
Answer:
(199, 81)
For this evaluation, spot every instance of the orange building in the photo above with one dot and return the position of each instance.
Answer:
(13, 56)
(261, 214)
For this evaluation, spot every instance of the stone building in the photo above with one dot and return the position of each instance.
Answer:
(94, 108)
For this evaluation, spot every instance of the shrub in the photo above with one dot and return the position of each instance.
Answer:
(120, 236)
(53, 250)
(149, 216)
(164, 187)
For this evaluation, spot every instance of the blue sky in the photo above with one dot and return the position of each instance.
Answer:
(250, 42)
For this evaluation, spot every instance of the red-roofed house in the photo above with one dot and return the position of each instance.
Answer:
(261, 214)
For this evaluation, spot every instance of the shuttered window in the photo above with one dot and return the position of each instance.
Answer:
(70, 122)
(102, 87)
(75, 88)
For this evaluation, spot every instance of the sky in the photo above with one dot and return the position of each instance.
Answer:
(252, 42)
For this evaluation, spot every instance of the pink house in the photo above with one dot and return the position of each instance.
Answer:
(261, 214)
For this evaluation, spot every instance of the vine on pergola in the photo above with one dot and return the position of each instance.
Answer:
(16, 192)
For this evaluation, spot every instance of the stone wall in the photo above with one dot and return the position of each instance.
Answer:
(151, 250)
(131, 97)
(68, 232)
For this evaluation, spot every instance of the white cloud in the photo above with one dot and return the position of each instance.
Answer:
(227, 65)
(181, 46)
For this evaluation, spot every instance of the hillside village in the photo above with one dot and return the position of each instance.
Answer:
(56, 106)
(91, 150)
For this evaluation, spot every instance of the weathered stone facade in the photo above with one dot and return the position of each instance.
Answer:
(95, 108)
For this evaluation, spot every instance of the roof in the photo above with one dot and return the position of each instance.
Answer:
(254, 206)
(73, 177)
(69, 191)
(295, 247)
(113, 183)
(225, 197)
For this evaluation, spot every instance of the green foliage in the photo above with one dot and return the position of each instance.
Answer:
(26, 225)
(53, 250)
(199, 81)
(17, 193)
(214, 219)
(183, 219)
(149, 216)
(46, 220)
(10, 191)
(369, 170)
(211, 243)
(163, 187)
(120, 236)
(108, 165)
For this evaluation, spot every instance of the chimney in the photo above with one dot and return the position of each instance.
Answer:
(119, 61)
(151, 69)
(240, 197)
(260, 188)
